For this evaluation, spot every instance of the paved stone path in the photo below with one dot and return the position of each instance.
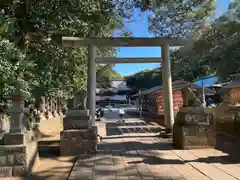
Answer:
(133, 152)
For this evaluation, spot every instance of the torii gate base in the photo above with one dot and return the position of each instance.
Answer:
(77, 138)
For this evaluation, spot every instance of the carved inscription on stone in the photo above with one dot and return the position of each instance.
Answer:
(19, 170)
(13, 149)
(3, 160)
(20, 159)
(5, 171)
(196, 118)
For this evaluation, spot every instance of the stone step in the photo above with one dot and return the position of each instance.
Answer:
(80, 133)
(75, 122)
(48, 143)
(76, 112)
(49, 148)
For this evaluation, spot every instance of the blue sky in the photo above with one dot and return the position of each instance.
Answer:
(139, 28)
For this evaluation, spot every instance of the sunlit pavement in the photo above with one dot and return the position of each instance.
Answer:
(132, 151)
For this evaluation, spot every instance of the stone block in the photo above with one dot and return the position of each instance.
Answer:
(13, 139)
(198, 117)
(75, 142)
(194, 136)
(74, 122)
(79, 113)
(74, 148)
(11, 149)
(20, 159)
(10, 159)
(19, 171)
(3, 160)
(5, 171)
(79, 134)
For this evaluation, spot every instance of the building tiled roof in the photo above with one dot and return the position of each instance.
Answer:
(176, 86)
(207, 81)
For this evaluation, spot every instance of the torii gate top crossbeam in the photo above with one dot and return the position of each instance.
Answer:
(121, 42)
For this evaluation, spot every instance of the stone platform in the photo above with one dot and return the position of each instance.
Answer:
(77, 138)
(18, 159)
(193, 137)
(193, 129)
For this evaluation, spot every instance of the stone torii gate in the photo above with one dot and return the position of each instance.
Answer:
(93, 43)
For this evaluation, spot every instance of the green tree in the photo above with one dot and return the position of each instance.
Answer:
(105, 74)
(36, 27)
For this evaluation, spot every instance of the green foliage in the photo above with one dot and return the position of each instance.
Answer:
(106, 73)
(179, 18)
(216, 50)
(14, 68)
(35, 55)
(32, 54)
(145, 79)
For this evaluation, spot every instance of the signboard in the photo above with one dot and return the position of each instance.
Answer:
(177, 102)
(235, 95)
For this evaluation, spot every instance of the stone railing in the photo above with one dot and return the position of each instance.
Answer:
(51, 107)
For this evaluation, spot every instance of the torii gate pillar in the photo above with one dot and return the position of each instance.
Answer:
(91, 84)
(167, 84)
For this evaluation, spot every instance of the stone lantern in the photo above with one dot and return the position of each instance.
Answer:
(16, 134)
(17, 112)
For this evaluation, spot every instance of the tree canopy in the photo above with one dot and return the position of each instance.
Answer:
(31, 31)
(216, 51)
(105, 74)
(31, 49)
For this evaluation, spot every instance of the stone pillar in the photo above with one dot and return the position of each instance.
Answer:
(50, 107)
(60, 106)
(91, 86)
(55, 107)
(47, 107)
(42, 107)
(42, 104)
(167, 84)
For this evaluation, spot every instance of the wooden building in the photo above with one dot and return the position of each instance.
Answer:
(231, 92)
(152, 100)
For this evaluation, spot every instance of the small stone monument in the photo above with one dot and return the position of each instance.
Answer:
(54, 112)
(42, 108)
(193, 127)
(48, 108)
(16, 135)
